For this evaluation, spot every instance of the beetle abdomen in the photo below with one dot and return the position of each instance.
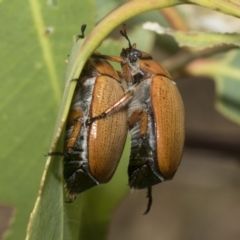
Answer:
(143, 170)
(143, 167)
(76, 170)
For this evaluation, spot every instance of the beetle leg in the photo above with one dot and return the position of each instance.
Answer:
(74, 80)
(122, 102)
(143, 124)
(61, 154)
(139, 115)
(107, 57)
(74, 134)
(135, 117)
(149, 196)
(74, 118)
(83, 27)
(71, 198)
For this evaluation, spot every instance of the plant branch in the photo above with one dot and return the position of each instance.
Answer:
(182, 58)
(231, 7)
(174, 19)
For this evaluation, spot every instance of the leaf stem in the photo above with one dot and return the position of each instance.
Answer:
(175, 20)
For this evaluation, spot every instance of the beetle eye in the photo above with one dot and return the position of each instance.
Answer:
(134, 55)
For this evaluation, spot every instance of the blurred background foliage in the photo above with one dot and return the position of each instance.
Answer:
(36, 40)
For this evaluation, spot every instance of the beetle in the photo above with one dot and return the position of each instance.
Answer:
(155, 118)
(93, 150)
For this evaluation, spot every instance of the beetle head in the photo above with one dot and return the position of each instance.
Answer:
(131, 53)
(134, 55)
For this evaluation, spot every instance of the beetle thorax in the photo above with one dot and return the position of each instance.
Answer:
(135, 70)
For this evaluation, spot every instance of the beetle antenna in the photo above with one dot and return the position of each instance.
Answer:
(149, 196)
(83, 28)
(123, 32)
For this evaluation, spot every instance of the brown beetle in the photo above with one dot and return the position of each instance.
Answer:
(93, 150)
(155, 119)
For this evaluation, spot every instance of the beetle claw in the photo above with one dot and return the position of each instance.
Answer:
(83, 27)
(74, 80)
(149, 196)
(93, 119)
(54, 154)
(71, 198)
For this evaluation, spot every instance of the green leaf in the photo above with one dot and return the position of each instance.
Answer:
(32, 71)
(32, 68)
(226, 74)
(198, 40)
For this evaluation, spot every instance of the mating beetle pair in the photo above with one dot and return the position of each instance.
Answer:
(151, 107)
